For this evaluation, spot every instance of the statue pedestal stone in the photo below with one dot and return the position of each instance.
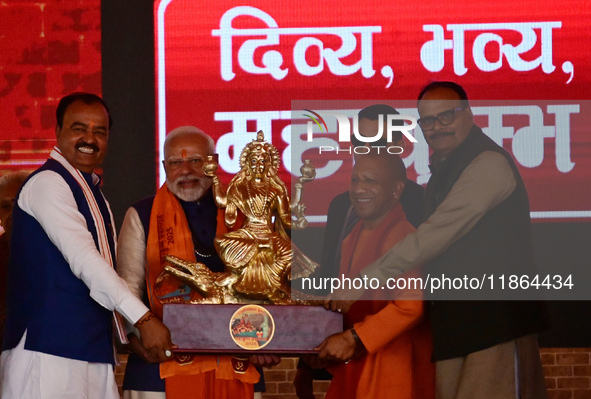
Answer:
(244, 328)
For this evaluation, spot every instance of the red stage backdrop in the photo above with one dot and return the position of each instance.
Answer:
(232, 70)
(47, 50)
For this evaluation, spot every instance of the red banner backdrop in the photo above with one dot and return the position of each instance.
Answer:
(47, 50)
(232, 70)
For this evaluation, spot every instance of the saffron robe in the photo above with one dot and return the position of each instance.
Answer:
(396, 335)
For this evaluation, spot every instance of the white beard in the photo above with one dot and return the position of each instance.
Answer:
(189, 194)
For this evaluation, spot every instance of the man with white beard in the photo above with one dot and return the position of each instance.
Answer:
(181, 220)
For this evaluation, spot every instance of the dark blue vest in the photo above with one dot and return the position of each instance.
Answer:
(45, 298)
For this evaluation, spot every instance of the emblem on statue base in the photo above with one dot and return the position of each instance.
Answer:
(252, 327)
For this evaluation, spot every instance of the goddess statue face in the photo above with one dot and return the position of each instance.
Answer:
(259, 162)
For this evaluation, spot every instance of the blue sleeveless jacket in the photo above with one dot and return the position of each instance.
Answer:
(45, 298)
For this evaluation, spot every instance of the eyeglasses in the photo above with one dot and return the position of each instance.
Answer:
(174, 164)
(445, 118)
(82, 129)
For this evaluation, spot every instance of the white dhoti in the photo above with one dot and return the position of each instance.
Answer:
(26, 374)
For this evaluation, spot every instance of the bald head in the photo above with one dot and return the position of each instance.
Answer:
(185, 150)
(392, 163)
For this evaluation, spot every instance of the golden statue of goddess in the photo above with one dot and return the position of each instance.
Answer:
(258, 257)
(258, 254)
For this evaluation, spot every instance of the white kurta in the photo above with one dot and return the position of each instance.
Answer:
(27, 374)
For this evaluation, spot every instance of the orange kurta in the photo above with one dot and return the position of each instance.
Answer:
(397, 338)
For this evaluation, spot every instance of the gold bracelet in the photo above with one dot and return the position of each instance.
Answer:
(144, 321)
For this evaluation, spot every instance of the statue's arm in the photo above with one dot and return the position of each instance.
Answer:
(221, 199)
(283, 205)
(308, 174)
(231, 214)
(210, 168)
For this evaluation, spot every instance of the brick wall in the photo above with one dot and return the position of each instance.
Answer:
(120, 372)
(279, 380)
(47, 49)
(567, 371)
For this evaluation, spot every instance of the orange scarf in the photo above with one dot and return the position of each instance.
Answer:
(350, 268)
(169, 234)
(381, 232)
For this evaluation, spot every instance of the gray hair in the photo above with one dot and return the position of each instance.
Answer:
(186, 130)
